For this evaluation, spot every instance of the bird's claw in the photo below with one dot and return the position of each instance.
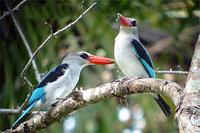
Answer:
(76, 89)
(77, 94)
(54, 104)
(123, 88)
(38, 113)
(117, 80)
(59, 100)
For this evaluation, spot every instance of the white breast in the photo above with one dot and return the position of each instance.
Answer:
(60, 88)
(125, 58)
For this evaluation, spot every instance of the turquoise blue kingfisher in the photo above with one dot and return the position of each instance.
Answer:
(60, 82)
(133, 58)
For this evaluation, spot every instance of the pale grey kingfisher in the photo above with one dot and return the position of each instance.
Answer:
(60, 81)
(133, 58)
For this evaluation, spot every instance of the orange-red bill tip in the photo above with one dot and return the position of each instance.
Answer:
(98, 60)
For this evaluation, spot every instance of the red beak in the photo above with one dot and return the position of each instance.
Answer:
(123, 21)
(98, 60)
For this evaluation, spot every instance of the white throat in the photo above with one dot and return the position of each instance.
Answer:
(129, 31)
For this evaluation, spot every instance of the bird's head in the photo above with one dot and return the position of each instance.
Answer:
(127, 25)
(84, 58)
(126, 22)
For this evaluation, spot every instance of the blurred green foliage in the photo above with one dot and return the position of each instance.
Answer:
(94, 33)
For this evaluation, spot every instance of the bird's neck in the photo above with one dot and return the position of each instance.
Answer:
(76, 70)
(129, 31)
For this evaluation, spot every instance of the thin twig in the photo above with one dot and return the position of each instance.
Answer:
(53, 35)
(28, 82)
(19, 29)
(6, 13)
(24, 104)
(37, 74)
(72, 23)
(9, 111)
(20, 109)
(15, 111)
(172, 72)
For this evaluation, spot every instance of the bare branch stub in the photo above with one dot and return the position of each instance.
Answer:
(55, 34)
(4, 111)
(172, 72)
(9, 111)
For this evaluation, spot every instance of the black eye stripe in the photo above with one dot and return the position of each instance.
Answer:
(84, 56)
(133, 23)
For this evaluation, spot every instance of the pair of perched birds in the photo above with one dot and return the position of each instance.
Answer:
(131, 56)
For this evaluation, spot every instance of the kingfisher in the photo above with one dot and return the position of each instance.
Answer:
(133, 58)
(60, 81)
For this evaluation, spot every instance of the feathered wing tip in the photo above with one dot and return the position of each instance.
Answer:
(164, 106)
(23, 116)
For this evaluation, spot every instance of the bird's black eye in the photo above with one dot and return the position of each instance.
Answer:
(84, 56)
(133, 23)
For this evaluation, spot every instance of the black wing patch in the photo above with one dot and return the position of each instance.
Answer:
(142, 52)
(53, 75)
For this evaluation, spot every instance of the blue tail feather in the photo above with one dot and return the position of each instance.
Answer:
(23, 115)
(163, 105)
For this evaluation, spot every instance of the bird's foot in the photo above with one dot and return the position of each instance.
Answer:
(121, 99)
(62, 99)
(54, 104)
(59, 101)
(122, 80)
(117, 80)
(122, 87)
(77, 94)
(77, 89)
(39, 113)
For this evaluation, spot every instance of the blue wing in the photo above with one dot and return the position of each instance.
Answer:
(38, 94)
(53, 75)
(140, 51)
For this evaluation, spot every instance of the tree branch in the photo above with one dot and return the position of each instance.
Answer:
(55, 34)
(6, 13)
(188, 112)
(98, 94)
(17, 111)
(19, 29)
